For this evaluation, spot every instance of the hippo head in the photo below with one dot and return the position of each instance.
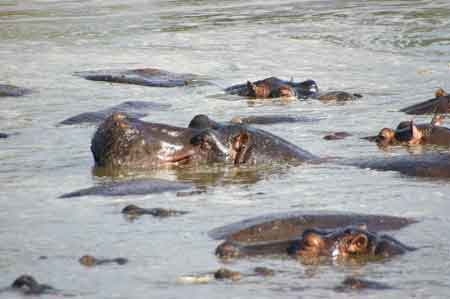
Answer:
(265, 89)
(230, 143)
(125, 142)
(349, 242)
(405, 133)
(306, 89)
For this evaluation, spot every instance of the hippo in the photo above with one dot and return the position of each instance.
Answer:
(4, 135)
(91, 261)
(351, 283)
(341, 243)
(271, 119)
(29, 286)
(134, 109)
(274, 87)
(289, 225)
(130, 187)
(124, 142)
(435, 165)
(146, 76)
(225, 274)
(346, 242)
(409, 133)
(13, 91)
(336, 135)
(135, 211)
(439, 104)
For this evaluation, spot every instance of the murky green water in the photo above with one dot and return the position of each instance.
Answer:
(394, 52)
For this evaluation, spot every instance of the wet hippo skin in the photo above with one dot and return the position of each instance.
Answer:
(130, 187)
(274, 87)
(122, 142)
(146, 77)
(285, 226)
(439, 104)
(409, 133)
(28, 285)
(13, 91)
(343, 243)
(134, 109)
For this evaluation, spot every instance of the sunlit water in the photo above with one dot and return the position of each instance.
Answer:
(394, 52)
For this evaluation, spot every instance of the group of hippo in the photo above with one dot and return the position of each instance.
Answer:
(123, 141)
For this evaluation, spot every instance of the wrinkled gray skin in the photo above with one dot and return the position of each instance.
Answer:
(274, 87)
(131, 187)
(122, 142)
(133, 109)
(286, 226)
(13, 91)
(439, 104)
(146, 77)
(342, 242)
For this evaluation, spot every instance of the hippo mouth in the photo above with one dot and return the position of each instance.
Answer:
(179, 158)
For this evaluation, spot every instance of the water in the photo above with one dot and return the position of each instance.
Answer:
(394, 52)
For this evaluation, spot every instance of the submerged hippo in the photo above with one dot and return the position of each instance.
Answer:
(123, 142)
(439, 104)
(133, 211)
(3, 135)
(91, 261)
(272, 119)
(276, 88)
(134, 109)
(29, 286)
(436, 165)
(340, 243)
(359, 284)
(409, 133)
(129, 187)
(146, 76)
(286, 226)
(13, 91)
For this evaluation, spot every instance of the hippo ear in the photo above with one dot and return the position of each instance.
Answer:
(251, 87)
(359, 243)
(440, 93)
(416, 135)
(313, 239)
(437, 120)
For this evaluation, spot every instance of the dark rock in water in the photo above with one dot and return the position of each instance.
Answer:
(337, 136)
(13, 91)
(358, 284)
(132, 187)
(29, 286)
(133, 211)
(285, 226)
(3, 135)
(272, 119)
(91, 261)
(147, 77)
(133, 109)
(424, 165)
